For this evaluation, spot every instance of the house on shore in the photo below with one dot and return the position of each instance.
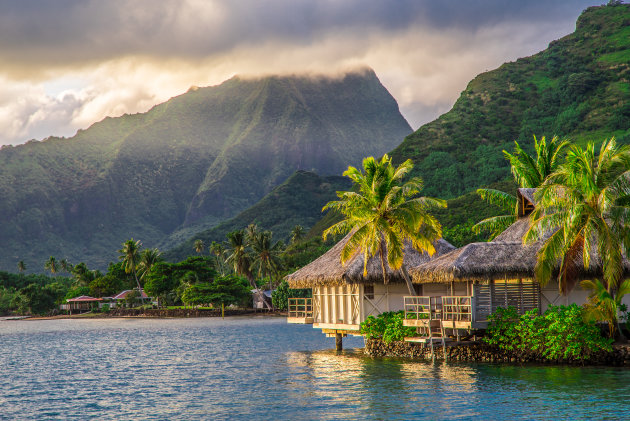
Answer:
(81, 304)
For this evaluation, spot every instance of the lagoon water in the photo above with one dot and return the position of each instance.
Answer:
(263, 368)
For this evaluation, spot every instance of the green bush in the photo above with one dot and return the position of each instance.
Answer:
(387, 326)
(280, 297)
(560, 334)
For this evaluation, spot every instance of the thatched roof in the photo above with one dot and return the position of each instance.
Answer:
(514, 233)
(504, 257)
(479, 261)
(328, 270)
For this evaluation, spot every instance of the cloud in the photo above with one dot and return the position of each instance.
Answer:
(69, 63)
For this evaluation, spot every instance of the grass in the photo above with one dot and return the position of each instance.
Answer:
(618, 57)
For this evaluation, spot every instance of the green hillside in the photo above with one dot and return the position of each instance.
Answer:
(185, 165)
(297, 201)
(579, 87)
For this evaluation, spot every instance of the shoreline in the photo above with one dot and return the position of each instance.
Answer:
(147, 314)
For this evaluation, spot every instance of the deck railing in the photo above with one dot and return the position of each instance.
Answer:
(422, 307)
(454, 308)
(457, 308)
(301, 307)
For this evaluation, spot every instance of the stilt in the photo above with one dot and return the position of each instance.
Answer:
(444, 347)
(338, 342)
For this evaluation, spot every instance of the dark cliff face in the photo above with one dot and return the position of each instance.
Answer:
(194, 160)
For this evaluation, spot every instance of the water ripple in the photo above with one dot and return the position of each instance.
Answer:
(262, 368)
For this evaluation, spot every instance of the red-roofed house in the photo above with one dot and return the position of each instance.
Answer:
(80, 304)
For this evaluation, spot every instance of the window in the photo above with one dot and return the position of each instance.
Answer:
(368, 291)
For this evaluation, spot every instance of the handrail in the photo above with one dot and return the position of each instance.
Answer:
(300, 307)
(457, 308)
(422, 307)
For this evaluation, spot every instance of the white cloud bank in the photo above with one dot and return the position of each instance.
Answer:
(68, 64)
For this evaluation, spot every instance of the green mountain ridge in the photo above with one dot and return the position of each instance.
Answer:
(193, 161)
(297, 201)
(577, 88)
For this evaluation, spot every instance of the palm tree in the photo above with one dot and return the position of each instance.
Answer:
(219, 254)
(82, 274)
(297, 233)
(66, 266)
(130, 256)
(21, 266)
(383, 214)
(528, 172)
(266, 255)
(199, 246)
(251, 233)
(238, 256)
(605, 306)
(583, 206)
(52, 265)
(148, 258)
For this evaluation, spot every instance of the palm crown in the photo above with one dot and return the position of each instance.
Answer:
(583, 206)
(384, 213)
(528, 172)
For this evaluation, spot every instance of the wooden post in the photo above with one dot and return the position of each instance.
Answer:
(338, 342)
(222, 311)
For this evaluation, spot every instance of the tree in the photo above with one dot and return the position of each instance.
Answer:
(66, 266)
(383, 214)
(297, 233)
(21, 266)
(225, 290)
(52, 265)
(582, 212)
(148, 258)
(604, 306)
(266, 254)
(130, 254)
(219, 256)
(238, 256)
(105, 286)
(199, 246)
(83, 275)
(528, 172)
(280, 297)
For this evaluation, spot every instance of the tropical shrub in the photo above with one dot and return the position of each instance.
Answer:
(387, 326)
(561, 333)
(280, 297)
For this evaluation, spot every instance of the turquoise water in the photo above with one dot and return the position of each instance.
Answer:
(263, 368)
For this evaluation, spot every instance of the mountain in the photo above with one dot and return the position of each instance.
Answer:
(579, 87)
(297, 201)
(185, 165)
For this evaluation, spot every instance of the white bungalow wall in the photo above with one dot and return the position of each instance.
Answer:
(349, 305)
(579, 296)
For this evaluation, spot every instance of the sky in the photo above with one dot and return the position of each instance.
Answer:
(66, 64)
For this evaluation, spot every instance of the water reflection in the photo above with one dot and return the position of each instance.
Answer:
(265, 369)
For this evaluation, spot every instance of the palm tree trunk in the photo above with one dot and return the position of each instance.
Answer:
(381, 254)
(410, 287)
(137, 283)
(258, 292)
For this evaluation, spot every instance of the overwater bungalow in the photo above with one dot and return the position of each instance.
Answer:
(499, 273)
(456, 290)
(343, 297)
